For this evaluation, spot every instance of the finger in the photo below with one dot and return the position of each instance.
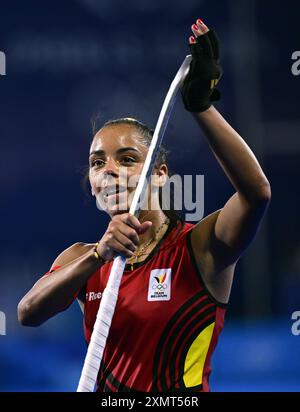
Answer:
(144, 227)
(192, 40)
(214, 43)
(119, 248)
(202, 26)
(122, 241)
(197, 31)
(129, 232)
(202, 46)
(130, 220)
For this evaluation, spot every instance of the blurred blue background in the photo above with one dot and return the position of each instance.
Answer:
(70, 61)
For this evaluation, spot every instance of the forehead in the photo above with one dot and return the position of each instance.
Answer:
(113, 137)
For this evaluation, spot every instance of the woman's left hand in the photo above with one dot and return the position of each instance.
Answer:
(198, 90)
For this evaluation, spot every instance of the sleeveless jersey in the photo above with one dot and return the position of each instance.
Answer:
(166, 324)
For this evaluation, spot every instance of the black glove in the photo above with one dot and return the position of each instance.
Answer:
(198, 90)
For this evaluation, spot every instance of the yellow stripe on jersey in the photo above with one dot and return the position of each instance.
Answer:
(196, 356)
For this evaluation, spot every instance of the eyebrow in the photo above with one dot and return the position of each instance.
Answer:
(119, 151)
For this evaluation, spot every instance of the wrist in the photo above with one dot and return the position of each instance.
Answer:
(97, 255)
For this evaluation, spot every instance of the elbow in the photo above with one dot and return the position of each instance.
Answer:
(260, 196)
(22, 314)
(25, 314)
(265, 193)
(264, 200)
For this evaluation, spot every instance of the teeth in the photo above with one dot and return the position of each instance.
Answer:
(112, 192)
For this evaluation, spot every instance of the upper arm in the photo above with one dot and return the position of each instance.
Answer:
(219, 240)
(239, 221)
(226, 233)
(213, 258)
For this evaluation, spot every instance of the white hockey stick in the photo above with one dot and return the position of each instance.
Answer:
(110, 295)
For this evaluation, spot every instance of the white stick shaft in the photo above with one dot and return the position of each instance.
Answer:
(110, 295)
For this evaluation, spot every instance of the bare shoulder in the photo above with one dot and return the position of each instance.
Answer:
(71, 253)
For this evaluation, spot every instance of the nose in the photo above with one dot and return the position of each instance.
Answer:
(111, 168)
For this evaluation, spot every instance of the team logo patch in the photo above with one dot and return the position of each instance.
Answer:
(159, 285)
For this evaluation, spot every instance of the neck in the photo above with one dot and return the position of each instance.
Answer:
(157, 217)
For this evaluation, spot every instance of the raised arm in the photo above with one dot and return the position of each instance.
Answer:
(239, 219)
(220, 239)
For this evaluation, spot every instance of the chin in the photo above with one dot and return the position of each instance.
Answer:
(113, 213)
(111, 207)
(116, 210)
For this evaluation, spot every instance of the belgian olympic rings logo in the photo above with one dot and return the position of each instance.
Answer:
(159, 286)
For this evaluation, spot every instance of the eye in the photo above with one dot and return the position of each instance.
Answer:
(127, 159)
(97, 163)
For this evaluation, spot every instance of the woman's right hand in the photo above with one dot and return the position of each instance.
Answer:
(121, 236)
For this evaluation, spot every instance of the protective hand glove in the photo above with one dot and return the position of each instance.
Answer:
(199, 87)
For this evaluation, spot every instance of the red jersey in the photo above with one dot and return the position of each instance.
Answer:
(166, 324)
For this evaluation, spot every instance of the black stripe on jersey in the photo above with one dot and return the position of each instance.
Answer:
(165, 333)
(174, 327)
(107, 388)
(108, 376)
(187, 347)
(178, 351)
(181, 331)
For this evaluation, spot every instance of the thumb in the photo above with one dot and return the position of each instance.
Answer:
(144, 227)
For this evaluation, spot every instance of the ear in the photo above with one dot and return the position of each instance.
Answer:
(160, 175)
